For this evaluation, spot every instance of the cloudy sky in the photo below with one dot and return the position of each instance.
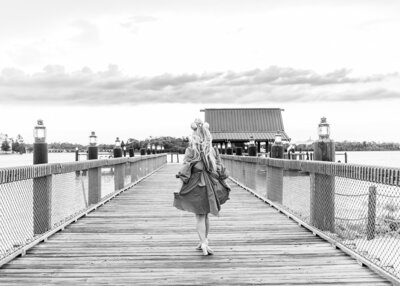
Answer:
(145, 68)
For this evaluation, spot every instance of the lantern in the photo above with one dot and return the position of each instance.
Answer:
(278, 138)
(39, 132)
(92, 139)
(323, 129)
(117, 142)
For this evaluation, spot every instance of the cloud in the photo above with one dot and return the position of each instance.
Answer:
(87, 33)
(54, 85)
(133, 23)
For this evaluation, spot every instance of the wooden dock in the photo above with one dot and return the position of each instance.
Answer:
(138, 238)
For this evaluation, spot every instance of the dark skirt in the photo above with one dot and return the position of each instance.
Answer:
(203, 199)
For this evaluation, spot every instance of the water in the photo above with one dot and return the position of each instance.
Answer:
(375, 158)
(15, 160)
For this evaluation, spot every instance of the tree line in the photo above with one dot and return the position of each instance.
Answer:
(356, 146)
(171, 144)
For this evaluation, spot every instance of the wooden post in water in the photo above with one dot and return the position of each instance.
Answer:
(322, 206)
(77, 159)
(275, 175)
(41, 186)
(94, 179)
(371, 213)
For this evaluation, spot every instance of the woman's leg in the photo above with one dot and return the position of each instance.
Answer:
(201, 230)
(201, 227)
(210, 251)
(207, 226)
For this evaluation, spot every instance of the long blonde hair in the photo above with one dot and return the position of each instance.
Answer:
(201, 140)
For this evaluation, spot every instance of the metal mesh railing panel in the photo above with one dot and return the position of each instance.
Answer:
(16, 215)
(107, 181)
(361, 214)
(296, 193)
(367, 220)
(69, 196)
(30, 208)
(127, 177)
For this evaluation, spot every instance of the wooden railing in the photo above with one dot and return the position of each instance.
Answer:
(39, 200)
(355, 207)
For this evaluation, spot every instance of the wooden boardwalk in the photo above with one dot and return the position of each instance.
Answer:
(140, 239)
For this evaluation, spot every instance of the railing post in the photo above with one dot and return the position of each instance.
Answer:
(134, 171)
(41, 186)
(251, 175)
(94, 179)
(243, 173)
(275, 176)
(119, 176)
(275, 184)
(322, 205)
(371, 213)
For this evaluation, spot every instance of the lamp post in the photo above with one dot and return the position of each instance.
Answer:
(219, 147)
(277, 147)
(40, 152)
(223, 148)
(322, 212)
(275, 186)
(41, 185)
(76, 154)
(94, 178)
(252, 147)
(229, 149)
(131, 149)
(93, 150)
(117, 148)
(123, 147)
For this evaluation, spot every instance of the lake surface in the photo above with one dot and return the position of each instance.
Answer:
(375, 158)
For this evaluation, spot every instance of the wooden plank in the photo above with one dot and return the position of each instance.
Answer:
(139, 238)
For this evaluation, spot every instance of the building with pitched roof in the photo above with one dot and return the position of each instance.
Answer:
(239, 125)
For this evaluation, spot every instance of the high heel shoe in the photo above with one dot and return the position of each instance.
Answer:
(198, 247)
(210, 251)
(204, 248)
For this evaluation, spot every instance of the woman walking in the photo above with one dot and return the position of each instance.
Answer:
(203, 188)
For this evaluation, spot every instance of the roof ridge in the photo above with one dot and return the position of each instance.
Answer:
(255, 108)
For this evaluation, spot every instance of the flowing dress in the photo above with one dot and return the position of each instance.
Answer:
(204, 190)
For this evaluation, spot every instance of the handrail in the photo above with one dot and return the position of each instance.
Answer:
(37, 200)
(355, 207)
(12, 174)
(375, 174)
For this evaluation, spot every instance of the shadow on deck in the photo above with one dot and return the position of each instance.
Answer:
(138, 238)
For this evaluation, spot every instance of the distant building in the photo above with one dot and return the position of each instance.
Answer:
(239, 125)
